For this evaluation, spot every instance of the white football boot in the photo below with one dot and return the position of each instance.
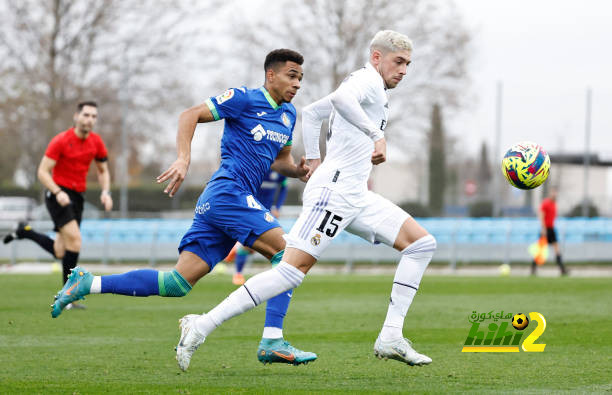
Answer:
(400, 350)
(189, 342)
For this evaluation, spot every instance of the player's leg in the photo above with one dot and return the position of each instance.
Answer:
(242, 255)
(25, 231)
(383, 221)
(69, 237)
(273, 347)
(288, 274)
(551, 236)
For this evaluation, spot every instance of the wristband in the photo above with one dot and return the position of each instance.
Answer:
(56, 192)
(106, 192)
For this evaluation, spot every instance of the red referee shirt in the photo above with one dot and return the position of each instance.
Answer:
(73, 157)
(549, 208)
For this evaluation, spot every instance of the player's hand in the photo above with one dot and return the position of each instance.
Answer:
(380, 152)
(274, 211)
(312, 164)
(176, 174)
(62, 198)
(106, 200)
(302, 170)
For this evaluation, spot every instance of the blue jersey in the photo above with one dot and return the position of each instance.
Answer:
(273, 190)
(256, 129)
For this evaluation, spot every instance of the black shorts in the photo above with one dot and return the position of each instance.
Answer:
(62, 215)
(551, 235)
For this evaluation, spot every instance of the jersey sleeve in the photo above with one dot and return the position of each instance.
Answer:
(347, 100)
(312, 119)
(54, 149)
(229, 104)
(102, 152)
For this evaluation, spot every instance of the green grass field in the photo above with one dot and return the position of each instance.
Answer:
(125, 345)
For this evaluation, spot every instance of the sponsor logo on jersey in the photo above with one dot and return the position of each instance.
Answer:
(202, 208)
(259, 133)
(286, 119)
(316, 240)
(225, 96)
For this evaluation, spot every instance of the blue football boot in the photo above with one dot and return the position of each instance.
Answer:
(76, 287)
(279, 350)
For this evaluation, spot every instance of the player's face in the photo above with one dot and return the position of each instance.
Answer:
(392, 67)
(285, 81)
(86, 119)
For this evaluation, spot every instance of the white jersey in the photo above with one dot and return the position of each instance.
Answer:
(357, 113)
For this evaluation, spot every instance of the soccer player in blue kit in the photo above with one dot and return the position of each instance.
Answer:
(257, 137)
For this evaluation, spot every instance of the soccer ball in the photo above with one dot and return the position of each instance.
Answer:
(520, 321)
(526, 165)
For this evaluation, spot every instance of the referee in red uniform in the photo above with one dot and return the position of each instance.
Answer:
(63, 171)
(547, 215)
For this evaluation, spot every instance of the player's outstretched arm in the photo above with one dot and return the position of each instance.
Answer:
(187, 123)
(285, 165)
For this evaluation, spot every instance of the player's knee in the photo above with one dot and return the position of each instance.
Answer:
(172, 284)
(425, 245)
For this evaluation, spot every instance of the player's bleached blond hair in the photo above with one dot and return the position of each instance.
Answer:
(390, 41)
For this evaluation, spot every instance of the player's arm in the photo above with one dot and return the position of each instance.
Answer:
(285, 165)
(104, 181)
(188, 121)
(44, 176)
(346, 101)
(312, 119)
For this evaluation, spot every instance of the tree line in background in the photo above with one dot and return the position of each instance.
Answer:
(142, 61)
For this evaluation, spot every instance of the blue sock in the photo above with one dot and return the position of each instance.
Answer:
(241, 257)
(142, 282)
(276, 309)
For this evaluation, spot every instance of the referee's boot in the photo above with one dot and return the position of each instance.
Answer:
(17, 233)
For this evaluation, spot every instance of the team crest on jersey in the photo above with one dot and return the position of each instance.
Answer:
(316, 240)
(228, 94)
(286, 119)
(269, 217)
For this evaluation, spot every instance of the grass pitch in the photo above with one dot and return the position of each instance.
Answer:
(125, 345)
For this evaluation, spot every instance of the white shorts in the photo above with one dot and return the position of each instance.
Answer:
(325, 214)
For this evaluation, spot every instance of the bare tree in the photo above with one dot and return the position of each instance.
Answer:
(125, 55)
(334, 38)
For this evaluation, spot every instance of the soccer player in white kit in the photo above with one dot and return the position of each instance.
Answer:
(336, 198)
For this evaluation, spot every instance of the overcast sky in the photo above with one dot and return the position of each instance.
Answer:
(545, 53)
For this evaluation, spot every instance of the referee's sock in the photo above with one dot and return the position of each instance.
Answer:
(69, 261)
(26, 232)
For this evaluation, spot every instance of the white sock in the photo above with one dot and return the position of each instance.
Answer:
(96, 285)
(271, 332)
(255, 291)
(410, 270)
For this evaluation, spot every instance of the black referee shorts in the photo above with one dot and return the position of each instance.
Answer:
(62, 215)
(551, 235)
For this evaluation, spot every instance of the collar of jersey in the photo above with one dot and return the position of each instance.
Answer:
(372, 68)
(269, 98)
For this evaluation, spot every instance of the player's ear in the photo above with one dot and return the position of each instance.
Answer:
(376, 57)
(270, 74)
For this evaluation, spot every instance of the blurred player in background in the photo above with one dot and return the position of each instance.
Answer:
(257, 136)
(547, 215)
(336, 198)
(272, 195)
(63, 172)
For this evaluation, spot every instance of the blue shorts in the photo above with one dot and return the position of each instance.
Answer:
(225, 213)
